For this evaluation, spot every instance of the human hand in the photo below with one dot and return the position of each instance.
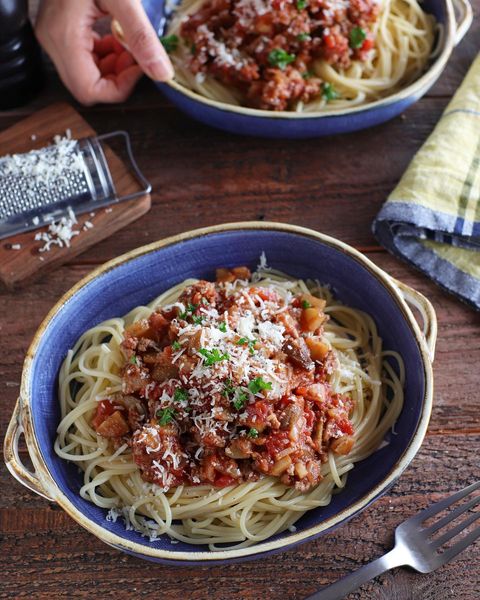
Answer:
(98, 69)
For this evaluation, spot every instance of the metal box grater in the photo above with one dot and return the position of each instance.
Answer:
(41, 186)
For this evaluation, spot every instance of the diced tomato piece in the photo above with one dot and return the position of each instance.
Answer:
(260, 409)
(283, 403)
(301, 391)
(276, 442)
(104, 410)
(345, 426)
(329, 41)
(368, 44)
(265, 294)
(224, 481)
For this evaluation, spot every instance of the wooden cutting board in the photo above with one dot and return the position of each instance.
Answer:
(26, 263)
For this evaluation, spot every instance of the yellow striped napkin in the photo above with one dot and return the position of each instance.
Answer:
(432, 217)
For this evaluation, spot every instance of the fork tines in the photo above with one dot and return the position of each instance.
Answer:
(438, 507)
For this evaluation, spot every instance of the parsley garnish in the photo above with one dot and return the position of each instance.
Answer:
(357, 37)
(253, 433)
(306, 304)
(180, 395)
(176, 345)
(303, 37)
(191, 308)
(280, 58)
(228, 388)
(258, 384)
(307, 74)
(165, 415)
(205, 302)
(170, 42)
(239, 396)
(193, 49)
(250, 343)
(223, 327)
(239, 399)
(213, 356)
(133, 360)
(329, 92)
(197, 319)
(301, 4)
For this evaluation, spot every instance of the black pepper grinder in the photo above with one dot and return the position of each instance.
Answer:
(21, 69)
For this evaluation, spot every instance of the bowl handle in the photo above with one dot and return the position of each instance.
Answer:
(465, 18)
(12, 459)
(427, 314)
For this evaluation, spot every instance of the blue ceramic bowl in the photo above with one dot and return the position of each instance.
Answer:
(270, 124)
(139, 276)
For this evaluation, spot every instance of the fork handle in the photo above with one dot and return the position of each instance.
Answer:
(351, 582)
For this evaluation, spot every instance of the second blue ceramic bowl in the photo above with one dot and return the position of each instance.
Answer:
(141, 275)
(249, 121)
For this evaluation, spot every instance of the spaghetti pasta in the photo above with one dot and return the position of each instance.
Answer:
(244, 513)
(393, 50)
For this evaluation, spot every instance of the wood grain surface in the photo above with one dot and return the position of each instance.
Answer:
(37, 131)
(201, 177)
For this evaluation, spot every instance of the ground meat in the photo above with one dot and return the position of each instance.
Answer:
(266, 48)
(225, 389)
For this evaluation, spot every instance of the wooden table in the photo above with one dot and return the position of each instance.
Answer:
(201, 177)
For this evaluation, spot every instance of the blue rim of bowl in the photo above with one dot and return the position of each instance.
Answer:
(415, 88)
(261, 548)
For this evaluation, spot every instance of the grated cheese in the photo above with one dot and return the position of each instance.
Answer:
(59, 233)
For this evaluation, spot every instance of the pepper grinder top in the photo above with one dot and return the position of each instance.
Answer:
(21, 69)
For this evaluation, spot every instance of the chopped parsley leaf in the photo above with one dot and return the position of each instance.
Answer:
(250, 343)
(133, 360)
(239, 400)
(357, 37)
(180, 395)
(223, 327)
(170, 42)
(306, 304)
(193, 49)
(213, 356)
(253, 433)
(165, 415)
(303, 37)
(301, 4)
(191, 308)
(258, 384)
(176, 345)
(329, 92)
(280, 58)
(205, 302)
(307, 74)
(197, 319)
(228, 388)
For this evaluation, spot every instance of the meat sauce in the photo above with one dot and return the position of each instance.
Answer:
(229, 383)
(265, 48)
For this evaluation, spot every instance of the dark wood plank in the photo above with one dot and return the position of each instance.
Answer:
(47, 554)
(204, 176)
(201, 177)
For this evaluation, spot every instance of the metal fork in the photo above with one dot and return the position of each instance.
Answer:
(414, 545)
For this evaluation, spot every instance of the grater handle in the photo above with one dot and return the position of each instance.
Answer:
(147, 188)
